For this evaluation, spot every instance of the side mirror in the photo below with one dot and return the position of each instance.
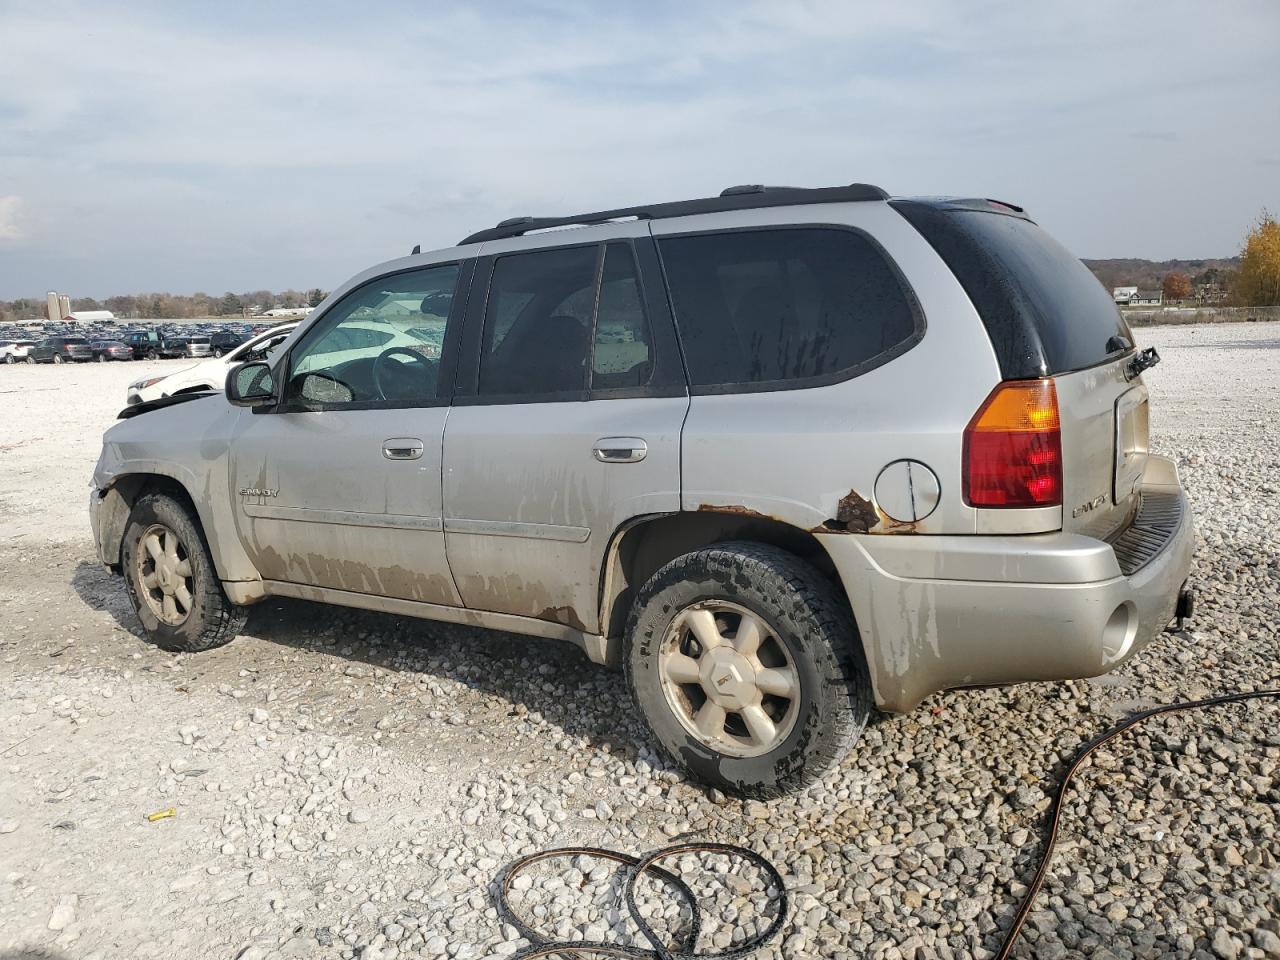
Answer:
(251, 385)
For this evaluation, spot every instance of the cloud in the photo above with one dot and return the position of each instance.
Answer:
(10, 213)
(239, 145)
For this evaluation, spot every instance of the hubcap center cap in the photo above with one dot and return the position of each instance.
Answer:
(728, 678)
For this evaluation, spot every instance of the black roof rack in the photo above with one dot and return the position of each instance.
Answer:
(746, 197)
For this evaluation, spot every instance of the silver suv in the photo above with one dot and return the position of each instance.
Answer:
(783, 455)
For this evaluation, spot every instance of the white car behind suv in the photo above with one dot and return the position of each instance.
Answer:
(15, 351)
(210, 374)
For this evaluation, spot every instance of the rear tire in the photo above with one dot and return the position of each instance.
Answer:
(30, 359)
(218, 353)
(802, 686)
(102, 358)
(57, 358)
(171, 579)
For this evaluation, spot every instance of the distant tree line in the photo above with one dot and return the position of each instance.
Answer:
(174, 306)
(1250, 280)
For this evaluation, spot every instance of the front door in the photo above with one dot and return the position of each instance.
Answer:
(566, 423)
(339, 486)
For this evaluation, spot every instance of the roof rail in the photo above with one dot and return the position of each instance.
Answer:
(746, 197)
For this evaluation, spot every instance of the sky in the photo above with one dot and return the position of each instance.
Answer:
(184, 147)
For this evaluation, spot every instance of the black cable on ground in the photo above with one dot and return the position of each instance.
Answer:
(687, 946)
(1055, 809)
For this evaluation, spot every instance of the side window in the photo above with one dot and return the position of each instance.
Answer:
(622, 355)
(537, 328)
(380, 343)
(784, 304)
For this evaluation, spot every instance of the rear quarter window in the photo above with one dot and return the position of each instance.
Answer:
(789, 306)
(1044, 311)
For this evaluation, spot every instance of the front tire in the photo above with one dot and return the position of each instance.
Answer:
(171, 579)
(218, 353)
(746, 664)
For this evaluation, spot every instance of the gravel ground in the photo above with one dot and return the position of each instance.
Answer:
(349, 784)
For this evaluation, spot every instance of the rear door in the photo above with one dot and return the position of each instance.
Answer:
(565, 425)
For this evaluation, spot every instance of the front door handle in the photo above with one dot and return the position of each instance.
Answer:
(402, 448)
(620, 450)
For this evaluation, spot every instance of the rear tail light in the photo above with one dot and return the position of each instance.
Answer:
(1013, 448)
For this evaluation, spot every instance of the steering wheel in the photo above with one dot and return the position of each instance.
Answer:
(411, 386)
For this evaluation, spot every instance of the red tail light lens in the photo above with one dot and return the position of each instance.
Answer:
(1013, 448)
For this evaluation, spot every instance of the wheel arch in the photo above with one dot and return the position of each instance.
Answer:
(642, 545)
(229, 559)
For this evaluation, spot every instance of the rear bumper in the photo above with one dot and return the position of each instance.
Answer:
(940, 612)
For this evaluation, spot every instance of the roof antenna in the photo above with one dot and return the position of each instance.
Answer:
(417, 248)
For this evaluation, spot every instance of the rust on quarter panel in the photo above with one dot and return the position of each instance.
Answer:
(733, 508)
(856, 514)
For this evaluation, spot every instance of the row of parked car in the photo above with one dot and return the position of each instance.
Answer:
(217, 354)
(211, 372)
(149, 344)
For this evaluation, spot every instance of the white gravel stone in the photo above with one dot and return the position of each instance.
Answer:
(64, 914)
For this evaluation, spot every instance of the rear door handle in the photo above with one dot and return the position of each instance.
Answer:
(402, 448)
(620, 450)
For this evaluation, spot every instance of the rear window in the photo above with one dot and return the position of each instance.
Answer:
(772, 308)
(74, 340)
(1044, 311)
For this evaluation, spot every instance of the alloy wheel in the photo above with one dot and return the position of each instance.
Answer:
(729, 678)
(164, 575)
